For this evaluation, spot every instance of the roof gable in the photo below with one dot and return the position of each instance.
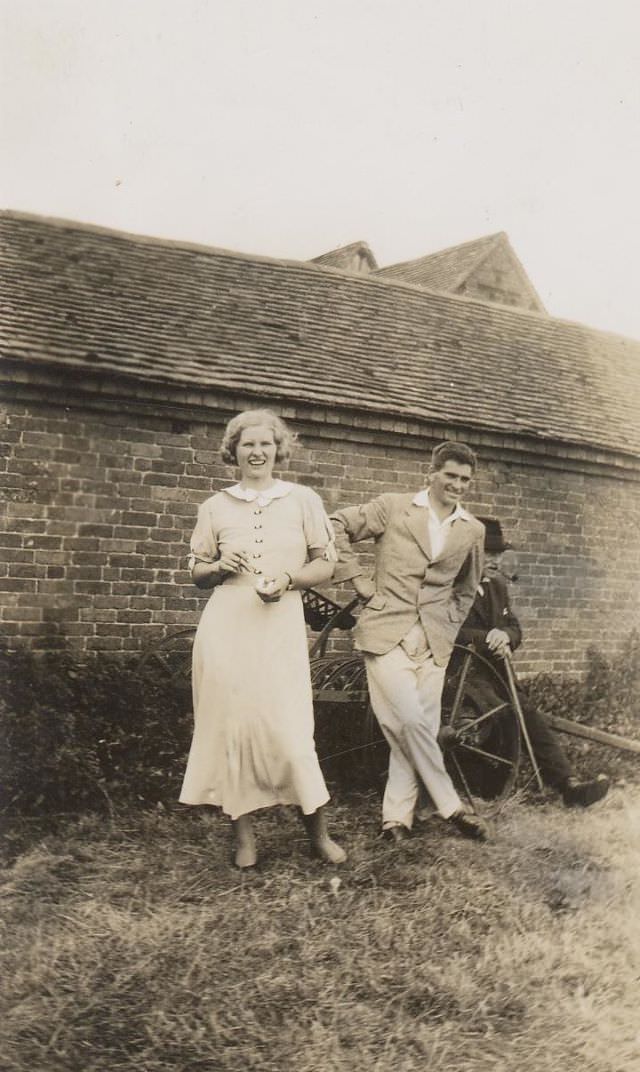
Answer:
(81, 299)
(357, 257)
(486, 268)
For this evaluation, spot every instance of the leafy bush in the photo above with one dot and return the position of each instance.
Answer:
(608, 695)
(109, 735)
(77, 736)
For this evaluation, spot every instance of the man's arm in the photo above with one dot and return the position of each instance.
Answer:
(493, 607)
(505, 634)
(466, 583)
(351, 525)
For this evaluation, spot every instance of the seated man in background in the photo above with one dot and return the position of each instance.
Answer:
(493, 629)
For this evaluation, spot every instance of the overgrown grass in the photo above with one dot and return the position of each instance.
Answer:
(134, 945)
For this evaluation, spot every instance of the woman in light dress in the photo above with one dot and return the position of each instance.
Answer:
(258, 544)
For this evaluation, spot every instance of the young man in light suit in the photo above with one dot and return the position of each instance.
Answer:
(428, 564)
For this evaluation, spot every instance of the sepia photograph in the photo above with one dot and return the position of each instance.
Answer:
(320, 529)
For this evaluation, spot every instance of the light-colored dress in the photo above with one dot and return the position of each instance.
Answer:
(253, 740)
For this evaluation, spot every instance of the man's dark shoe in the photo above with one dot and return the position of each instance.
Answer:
(469, 825)
(396, 834)
(579, 794)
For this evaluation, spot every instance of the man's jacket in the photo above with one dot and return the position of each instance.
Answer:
(411, 583)
(491, 610)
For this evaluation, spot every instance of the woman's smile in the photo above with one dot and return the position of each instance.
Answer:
(256, 453)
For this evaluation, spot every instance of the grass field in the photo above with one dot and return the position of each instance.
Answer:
(132, 944)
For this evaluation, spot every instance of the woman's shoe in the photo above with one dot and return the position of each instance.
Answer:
(322, 846)
(245, 857)
(328, 850)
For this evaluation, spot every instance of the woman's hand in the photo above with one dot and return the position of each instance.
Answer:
(271, 589)
(233, 562)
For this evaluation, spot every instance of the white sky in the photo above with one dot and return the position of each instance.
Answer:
(290, 127)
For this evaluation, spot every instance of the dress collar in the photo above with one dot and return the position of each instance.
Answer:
(262, 497)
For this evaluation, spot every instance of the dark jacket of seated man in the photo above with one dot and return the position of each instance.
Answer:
(494, 630)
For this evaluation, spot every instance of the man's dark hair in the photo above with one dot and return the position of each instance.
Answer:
(452, 452)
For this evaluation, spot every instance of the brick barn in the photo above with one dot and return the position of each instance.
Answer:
(123, 357)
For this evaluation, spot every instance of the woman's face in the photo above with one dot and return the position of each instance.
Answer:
(256, 451)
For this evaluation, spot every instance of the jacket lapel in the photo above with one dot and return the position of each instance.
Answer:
(416, 518)
(484, 606)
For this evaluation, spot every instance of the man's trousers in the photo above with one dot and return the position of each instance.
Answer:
(406, 694)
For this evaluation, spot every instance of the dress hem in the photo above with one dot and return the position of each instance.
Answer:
(258, 807)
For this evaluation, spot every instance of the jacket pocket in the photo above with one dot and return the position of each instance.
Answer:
(377, 602)
(454, 614)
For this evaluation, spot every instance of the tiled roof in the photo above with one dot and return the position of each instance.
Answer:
(446, 269)
(83, 298)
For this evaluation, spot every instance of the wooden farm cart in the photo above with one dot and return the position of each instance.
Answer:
(483, 732)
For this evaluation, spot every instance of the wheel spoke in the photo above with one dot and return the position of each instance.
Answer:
(462, 778)
(460, 687)
(487, 755)
(473, 722)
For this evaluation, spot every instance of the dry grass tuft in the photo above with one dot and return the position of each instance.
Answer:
(134, 945)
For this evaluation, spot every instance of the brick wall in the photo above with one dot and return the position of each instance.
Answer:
(101, 501)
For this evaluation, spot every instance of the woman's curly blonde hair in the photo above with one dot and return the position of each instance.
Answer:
(283, 437)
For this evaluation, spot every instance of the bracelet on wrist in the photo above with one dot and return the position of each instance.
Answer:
(289, 587)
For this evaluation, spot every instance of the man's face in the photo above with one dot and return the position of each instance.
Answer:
(448, 484)
(504, 562)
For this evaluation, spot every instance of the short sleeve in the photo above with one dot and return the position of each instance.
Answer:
(318, 530)
(204, 547)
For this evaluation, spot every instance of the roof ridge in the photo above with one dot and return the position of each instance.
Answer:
(447, 249)
(64, 224)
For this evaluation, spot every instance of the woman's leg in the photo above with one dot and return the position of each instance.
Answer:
(322, 844)
(245, 851)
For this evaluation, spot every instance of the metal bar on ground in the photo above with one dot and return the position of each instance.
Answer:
(576, 729)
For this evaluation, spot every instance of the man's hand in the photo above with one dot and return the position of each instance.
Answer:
(497, 642)
(364, 587)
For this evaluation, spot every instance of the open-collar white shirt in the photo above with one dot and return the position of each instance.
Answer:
(438, 530)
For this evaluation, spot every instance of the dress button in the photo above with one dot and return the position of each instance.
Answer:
(259, 539)
(257, 526)
(258, 511)
(257, 571)
(256, 554)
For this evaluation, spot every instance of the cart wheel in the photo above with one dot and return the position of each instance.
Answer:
(480, 735)
(348, 741)
(170, 658)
